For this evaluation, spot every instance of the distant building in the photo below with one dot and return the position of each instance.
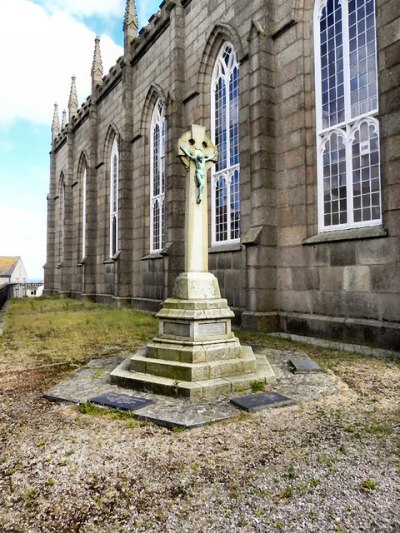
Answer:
(34, 290)
(12, 271)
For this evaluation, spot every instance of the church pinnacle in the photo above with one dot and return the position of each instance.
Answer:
(55, 126)
(64, 119)
(97, 65)
(131, 23)
(73, 103)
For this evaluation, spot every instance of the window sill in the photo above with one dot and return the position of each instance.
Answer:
(229, 247)
(154, 255)
(112, 259)
(158, 255)
(347, 235)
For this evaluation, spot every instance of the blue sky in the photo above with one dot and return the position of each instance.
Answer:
(42, 44)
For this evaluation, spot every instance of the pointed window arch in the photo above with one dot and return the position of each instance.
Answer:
(347, 114)
(225, 104)
(61, 217)
(83, 210)
(157, 177)
(114, 183)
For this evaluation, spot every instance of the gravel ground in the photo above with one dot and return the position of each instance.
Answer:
(327, 465)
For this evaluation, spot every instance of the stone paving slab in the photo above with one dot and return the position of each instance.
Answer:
(262, 400)
(304, 366)
(93, 380)
(124, 402)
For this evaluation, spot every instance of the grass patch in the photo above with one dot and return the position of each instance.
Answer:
(257, 386)
(55, 330)
(287, 493)
(368, 484)
(89, 408)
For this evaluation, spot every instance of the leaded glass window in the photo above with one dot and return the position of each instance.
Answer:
(225, 102)
(157, 178)
(347, 114)
(61, 217)
(84, 185)
(114, 182)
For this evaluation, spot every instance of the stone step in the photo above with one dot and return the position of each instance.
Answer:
(181, 371)
(194, 390)
(194, 352)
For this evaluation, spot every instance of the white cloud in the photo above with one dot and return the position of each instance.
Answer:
(40, 51)
(85, 8)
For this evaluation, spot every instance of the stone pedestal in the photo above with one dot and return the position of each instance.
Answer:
(195, 354)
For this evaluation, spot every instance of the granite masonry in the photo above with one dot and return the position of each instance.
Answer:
(286, 269)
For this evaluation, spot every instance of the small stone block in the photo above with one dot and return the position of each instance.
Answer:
(304, 366)
(121, 401)
(262, 400)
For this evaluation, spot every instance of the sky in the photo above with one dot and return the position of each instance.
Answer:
(42, 44)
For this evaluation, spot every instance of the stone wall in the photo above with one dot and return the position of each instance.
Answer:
(335, 284)
(283, 274)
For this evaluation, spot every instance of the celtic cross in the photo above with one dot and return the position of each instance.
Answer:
(197, 153)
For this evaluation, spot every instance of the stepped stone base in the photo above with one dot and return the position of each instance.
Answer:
(194, 390)
(195, 353)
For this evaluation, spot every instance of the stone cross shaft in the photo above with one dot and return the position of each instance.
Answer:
(197, 153)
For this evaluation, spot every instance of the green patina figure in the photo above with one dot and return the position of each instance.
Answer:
(200, 172)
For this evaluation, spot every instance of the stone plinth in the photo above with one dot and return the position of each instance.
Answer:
(195, 354)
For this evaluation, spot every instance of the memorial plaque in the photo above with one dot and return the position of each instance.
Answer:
(177, 329)
(304, 366)
(210, 329)
(121, 401)
(262, 400)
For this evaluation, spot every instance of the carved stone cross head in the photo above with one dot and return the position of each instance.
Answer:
(196, 147)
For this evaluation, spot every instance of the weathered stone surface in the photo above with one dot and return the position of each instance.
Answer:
(196, 286)
(257, 402)
(211, 381)
(177, 411)
(120, 401)
(304, 365)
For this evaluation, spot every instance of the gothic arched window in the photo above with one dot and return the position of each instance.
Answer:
(225, 104)
(157, 178)
(83, 227)
(114, 179)
(349, 192)
(61, 217)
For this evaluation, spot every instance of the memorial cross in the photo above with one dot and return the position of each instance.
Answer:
(197, 153)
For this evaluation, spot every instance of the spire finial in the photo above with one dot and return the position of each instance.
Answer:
(55, 126)
(131, 24)
(73, 103)
(97, 65)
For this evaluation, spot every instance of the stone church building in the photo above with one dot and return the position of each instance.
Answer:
(302, 98)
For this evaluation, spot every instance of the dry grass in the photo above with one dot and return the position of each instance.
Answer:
(57, 330)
